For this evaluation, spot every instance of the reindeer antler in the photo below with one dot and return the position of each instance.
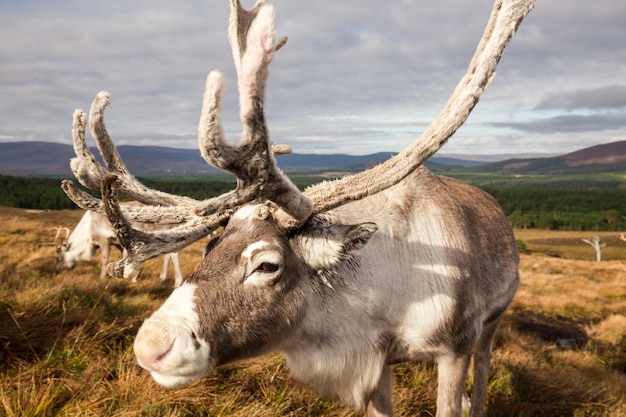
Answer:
(251, 35)
(91, 174)
(141, 246)
(58, 232)
(251, 160)
(505, 18)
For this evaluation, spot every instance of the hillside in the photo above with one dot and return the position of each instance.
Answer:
(31, 159)
(610, 157)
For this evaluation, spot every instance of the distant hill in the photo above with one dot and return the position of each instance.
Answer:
(30, 159)
(610, 157)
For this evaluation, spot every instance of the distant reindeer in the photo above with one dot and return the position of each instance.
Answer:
(346, 278)
(94, 231)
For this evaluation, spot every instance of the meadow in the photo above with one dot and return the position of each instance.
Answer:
(66, 339)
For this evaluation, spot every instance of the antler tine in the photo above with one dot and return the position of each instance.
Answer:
(58, 233)
(58, 229)
(141, 246)
(505, 18)
(142, 214)
(251, 35)
(84, 166)
(56, 236)
(91, 174)
(280, 149)
(130, 186)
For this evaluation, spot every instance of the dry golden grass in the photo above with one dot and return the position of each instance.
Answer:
(569, 336)
(66, 341)
(570, 245)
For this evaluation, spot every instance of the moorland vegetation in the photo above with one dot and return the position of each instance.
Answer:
(66, 339)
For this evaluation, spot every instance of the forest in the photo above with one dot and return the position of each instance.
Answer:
(525, 207)
(563, 209)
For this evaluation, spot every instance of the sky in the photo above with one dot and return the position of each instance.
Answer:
(355, 77)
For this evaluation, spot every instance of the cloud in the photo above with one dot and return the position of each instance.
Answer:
(570, 123)
(605, 97)
(360, 76)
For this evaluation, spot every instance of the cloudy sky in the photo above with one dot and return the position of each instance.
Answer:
(355, 77)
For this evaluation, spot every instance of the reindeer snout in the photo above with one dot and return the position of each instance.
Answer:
(168, 343)
(152, 349)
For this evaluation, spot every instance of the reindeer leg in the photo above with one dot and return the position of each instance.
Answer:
(177, 271)
(166, 263)
(452, 372)
(482, 359)
(380, 404)
(105, 253)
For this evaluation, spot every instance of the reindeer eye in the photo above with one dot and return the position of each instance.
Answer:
(267, 267)
(264, 270)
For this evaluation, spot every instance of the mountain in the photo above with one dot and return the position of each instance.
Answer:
(29, 159)
(52, 159)
(609, 157)
(483, 159)
(608, 154)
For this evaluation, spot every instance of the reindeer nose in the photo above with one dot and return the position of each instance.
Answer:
(152, 349)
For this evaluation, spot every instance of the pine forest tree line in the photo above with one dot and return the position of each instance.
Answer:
(554, 209)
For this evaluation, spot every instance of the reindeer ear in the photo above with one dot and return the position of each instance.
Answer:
(323, 245)
(358, 237)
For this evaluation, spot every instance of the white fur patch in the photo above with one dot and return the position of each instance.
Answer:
(253, 247)
(337, 372)
(432, 288)
(168, 341)
(321, 253)
(423, 318)
(181, 303)
(246, 212)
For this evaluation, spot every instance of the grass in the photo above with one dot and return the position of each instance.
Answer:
(66, 340)
(592, 180)
(570, 245)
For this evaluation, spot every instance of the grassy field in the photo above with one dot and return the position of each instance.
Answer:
(592, 180)
(66, 339)
(570, 245)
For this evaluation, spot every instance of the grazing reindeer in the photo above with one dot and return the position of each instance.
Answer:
(346, 278)
(94, 231)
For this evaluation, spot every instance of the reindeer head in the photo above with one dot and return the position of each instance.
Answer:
(278, 246)
(62, 247)
(253, 267)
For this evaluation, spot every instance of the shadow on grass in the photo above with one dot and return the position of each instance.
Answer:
(547, 385)
(537, 395)
(69, 315)
(563, 332)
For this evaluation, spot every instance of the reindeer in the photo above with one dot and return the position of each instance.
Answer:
(346, 278)
(94, 231)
